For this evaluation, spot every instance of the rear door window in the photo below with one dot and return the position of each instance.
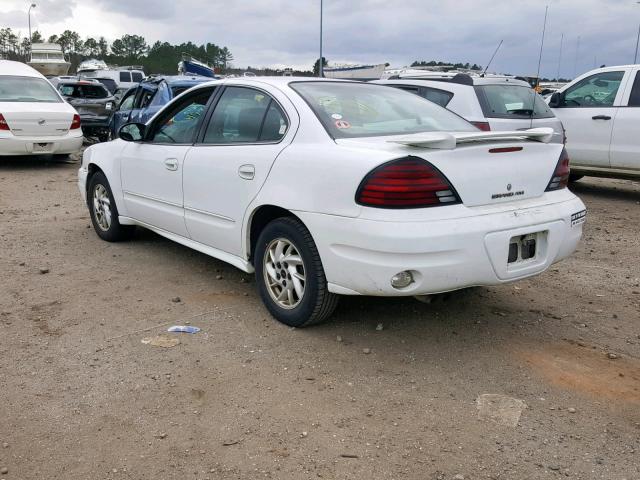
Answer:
(511, 101)
(634, 98)
(125, 76)
(239, 117)
(136, 76)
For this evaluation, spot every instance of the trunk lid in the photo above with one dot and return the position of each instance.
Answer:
(37, 119)
(480, 174)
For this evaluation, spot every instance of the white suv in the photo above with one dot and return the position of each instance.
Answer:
(490, 102)
(601, 112)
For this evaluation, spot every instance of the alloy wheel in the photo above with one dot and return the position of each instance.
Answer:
(284, 273)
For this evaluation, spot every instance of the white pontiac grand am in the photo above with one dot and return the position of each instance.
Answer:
(327, 188)
(34, 118)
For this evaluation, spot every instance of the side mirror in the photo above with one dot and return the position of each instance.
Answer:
(132, 132)
(556, 100)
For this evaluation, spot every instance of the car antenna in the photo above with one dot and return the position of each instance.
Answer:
(535, 89)
(491, 59)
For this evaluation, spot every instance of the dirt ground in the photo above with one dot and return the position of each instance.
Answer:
(81, 397)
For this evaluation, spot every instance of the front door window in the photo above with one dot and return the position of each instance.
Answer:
(598, 90)
(179, 125)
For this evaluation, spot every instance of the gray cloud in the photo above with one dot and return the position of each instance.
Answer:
(270, 32)
(50, 11)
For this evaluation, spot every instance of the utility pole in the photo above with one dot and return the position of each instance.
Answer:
(320, 62)
(560, 57)
(575, 64)
(635, 57)
(33, 5)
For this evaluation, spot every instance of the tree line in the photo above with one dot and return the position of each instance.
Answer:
(160, 57)
(434, 63)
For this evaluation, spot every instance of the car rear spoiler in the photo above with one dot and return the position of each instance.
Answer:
(449, 141)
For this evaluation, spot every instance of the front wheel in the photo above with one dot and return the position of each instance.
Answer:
(289, 274)
(103, 210)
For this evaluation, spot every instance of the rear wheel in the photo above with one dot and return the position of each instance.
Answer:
(104, 212)
(289, 274)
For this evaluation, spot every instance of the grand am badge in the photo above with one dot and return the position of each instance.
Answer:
(508, 193)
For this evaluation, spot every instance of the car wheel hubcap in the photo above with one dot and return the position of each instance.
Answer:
(102, 207)
(284, 273)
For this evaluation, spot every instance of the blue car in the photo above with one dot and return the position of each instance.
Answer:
(140, 103)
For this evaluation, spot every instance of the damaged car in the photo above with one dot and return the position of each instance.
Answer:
(93, 102)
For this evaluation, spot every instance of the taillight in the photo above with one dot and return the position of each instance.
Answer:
(410, 182)
(560, 177)
(3, 123)
(484, 126)
(75, 123)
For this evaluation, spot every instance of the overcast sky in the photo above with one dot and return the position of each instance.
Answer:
(285, 33)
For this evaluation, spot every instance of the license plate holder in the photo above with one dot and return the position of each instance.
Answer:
(42, 147)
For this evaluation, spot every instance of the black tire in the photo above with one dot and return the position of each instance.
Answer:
(574, 177)
(115, 231)
(316, 303)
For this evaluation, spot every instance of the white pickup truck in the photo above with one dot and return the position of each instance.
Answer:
(600, 111)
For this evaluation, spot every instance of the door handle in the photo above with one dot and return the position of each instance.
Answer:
(171, 164)
(601, 117)
(247, 172)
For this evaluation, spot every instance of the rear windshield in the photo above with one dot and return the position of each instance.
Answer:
(349, 110)
(109, 83)
(84, 91)
(511, 101)
(27, 89)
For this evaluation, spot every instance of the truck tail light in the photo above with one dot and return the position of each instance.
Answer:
(3, 123)
(560, 178)
(409, 182)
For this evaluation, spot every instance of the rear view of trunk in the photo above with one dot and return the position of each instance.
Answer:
(484, 174)
(40, 119)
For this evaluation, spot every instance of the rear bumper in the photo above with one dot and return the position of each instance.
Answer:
(14, 145)
(360, 256)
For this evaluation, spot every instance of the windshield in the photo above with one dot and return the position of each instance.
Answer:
(511, 101)
(349, 110)
(27, 89)
(84, 91)
(110, 84)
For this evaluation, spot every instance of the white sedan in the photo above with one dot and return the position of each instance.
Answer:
(328, 188)
(34, 119)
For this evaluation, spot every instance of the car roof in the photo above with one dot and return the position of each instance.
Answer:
(279, 82)
(463, 80)
(176, 80)
(9, 67)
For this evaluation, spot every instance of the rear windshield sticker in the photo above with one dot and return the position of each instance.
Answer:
(342, 124)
